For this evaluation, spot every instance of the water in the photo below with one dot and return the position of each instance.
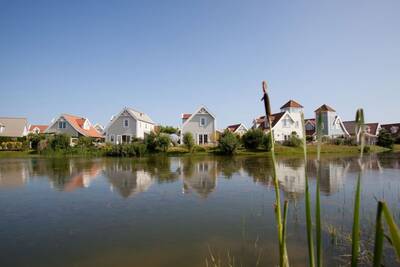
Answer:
(178, 211)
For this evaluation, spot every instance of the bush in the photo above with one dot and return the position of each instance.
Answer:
(252, 138)
(338, 141)
(12, 146)
(367, 149)
(168, 130)
(59, 142)
(188, 141)
(350, 141)
(385, 139)
(294, 141)
(34, 140)
(228, 143)
(85, 142)
(163, 142)
(151, 142)
(397, 141)
(266, 142)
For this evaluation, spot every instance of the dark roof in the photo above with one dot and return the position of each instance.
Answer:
(292, 104)
(233, 128)
(351, 127)
(312, 121)
(274, 118)
(325, 108)
(393, 128)
(186, 116)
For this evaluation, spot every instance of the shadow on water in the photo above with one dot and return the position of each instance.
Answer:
(177, 210)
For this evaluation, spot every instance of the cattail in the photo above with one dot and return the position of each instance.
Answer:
(267, 104)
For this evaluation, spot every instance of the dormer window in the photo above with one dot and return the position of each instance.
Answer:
(203, 121)
(126, 123)
(86, 125)
(62, 124)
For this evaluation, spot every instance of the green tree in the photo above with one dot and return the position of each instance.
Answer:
(163, 142)
(385, 139)
(228, 143)
(168, 129)
(151, 142)
(266, 142)
(252, 138)
(188, 141)
(59, 142)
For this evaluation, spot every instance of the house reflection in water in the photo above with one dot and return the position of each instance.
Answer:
(332, 176)
(126, 179)
(291, 179)
(199, 176)
(14, 173)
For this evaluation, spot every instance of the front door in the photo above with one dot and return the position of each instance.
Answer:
(126, 139)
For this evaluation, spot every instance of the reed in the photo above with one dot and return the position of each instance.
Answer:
(283, 258)
(355, 246)
(310, 241)
(317, 194)
(360, 129)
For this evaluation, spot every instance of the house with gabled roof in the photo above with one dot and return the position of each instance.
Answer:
(284, 123)
(13, 127)
(128, 124)
(332, 125)
(310, 126)
(371, 131)
(392, 128)
(239, 129)
(37, 128)
(202, 125)
(74, 126)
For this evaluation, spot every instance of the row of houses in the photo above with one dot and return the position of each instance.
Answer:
(130, 123)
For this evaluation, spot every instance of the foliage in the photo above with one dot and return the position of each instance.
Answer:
(85, 142)
(168, 129)
(293, 141)
(228, 143)
(59, 142)
(151, 142)
(252, 138)
(385, 139)
(35, 139)
(266, 142)
(163, 142)
(188, 141)
(12, 146)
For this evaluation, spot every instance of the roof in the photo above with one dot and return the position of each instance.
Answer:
(140, 115)
(200, 109)
(233, 128)
(351, 127)
(292, 104)
(274, 118)
(325, 108)
(391, 126)
(78, 122)
(186, 116)
(41, 128)
(312, 121)
(13, 127)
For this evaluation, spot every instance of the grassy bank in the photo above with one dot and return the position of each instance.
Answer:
(180, 150)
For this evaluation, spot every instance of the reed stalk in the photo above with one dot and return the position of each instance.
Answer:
(379, 236)
(307, 200)
(355, 248)
(317, 194)
(283, 259)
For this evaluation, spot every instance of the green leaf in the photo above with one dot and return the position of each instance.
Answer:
(393, 229)
(379, 236)
(356, 225)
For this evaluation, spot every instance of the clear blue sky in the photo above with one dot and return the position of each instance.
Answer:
(92, 58)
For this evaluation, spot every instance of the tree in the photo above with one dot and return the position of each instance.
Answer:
(163, 142)
(266, 142)
(188, 141)
(252, 138)
(168, 129)
(151, 142)
(228, 143)
(385, 139)
(59, 142)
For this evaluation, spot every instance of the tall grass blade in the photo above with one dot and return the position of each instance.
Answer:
(393, 229)
(379, 236)
(284, 231)
(356, 225)
(317, 196)
(307, 200)
(284, 260)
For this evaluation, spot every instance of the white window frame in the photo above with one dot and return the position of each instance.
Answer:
(62, 124)
(119, 139)
(112, 138)
(201, 120)
(125, 123)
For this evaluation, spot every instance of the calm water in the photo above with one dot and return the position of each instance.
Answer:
(176, 211)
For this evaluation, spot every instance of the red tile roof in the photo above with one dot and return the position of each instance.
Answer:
(41, 128)
(292, 104)
(274, 118)
(312, 121)
(325, 108)
(233, 128)
(186, 116)
(78, 122)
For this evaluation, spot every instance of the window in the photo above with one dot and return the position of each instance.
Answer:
(200, 139)
(203, 121)
(119, 139)
(112, 138)
(205, 139)
(126, 123)
(62, 124)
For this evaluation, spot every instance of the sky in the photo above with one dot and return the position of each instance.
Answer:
(165, 58)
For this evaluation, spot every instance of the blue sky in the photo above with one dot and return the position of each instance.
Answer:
(92, 58)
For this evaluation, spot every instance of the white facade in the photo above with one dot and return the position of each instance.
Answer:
(201, 125)
(290, 122)
(128, 124)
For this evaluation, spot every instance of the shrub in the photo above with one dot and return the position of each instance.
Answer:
(140, 149)
(163, 142)
(168, 130)
(266, 142)
(151, 142)
(85, 142)
(12, 146)
(59, 142)
(350, 141)
(34, 140)
(228, 143)
(197, 148)
(252, 138)
(385, 139)
(397, 140)
(188, 141)
(293, 141)
(367, 149)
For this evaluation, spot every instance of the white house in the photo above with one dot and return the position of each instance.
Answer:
(239, 129)
(201, 124)
(128, 124)
(284, 123)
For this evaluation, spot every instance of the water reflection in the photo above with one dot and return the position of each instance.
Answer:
(200, 175)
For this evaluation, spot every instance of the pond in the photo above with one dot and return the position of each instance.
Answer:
(183, 211)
